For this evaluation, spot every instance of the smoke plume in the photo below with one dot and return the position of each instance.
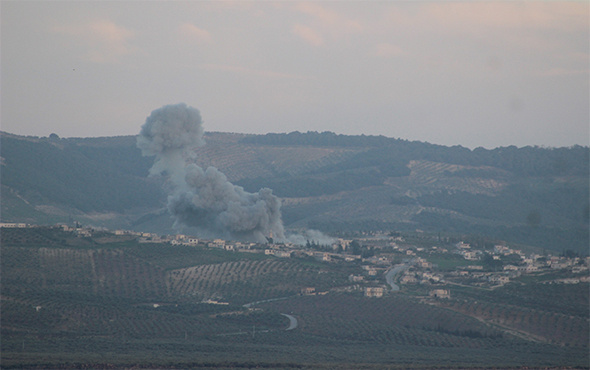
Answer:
(311, 236)
(204, 199)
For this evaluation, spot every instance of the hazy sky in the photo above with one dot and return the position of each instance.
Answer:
(473, 74)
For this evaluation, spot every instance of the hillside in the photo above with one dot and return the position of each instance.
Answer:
(335, 183)
(109, 301)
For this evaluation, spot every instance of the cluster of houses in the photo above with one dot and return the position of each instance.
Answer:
(388, 251)
(13, 225)
(77, 229)
(421, 272)
(477, 274)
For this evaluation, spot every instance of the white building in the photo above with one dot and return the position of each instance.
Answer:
(12, 225)
(376, 292)
(440, 293)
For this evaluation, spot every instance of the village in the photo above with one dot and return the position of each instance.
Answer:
(386, 262)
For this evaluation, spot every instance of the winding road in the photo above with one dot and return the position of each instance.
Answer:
(292, 321)
(392, 273)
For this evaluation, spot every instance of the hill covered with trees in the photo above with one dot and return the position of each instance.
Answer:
(334, 183)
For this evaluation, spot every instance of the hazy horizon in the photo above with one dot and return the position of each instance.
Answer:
(244, 133)
(487, 74)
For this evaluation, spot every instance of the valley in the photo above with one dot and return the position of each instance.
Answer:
(396, 254)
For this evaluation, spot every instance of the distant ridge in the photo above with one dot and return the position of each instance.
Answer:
(337, 183)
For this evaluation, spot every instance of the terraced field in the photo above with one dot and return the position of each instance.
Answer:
(121, 273)
(111, 291)
(536, 325)
(431, 176)
(238, 161)
(238, 281)
(394, 320)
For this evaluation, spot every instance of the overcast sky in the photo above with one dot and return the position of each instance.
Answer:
(473, 74)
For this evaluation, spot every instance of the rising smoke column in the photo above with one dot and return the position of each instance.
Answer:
(199, 198)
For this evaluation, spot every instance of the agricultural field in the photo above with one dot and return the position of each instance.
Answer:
(548, 313)
(448, 262)
(109, 301)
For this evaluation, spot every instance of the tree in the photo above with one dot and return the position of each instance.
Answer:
(490, 263)
(533, 219)
(355, 248)
(512, 259)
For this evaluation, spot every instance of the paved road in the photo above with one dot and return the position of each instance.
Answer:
(393, 272)
(292, 321)
(249, 305)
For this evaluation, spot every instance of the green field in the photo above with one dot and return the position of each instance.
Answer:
(448, 262)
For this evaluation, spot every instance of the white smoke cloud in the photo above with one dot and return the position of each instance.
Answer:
(312, 236)
(204, 199)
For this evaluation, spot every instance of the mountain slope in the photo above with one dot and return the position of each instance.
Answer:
(336, 183)
(69, 177)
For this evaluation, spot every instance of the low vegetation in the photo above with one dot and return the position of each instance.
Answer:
(109, 301)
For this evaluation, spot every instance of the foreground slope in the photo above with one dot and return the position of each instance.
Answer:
(108, 300)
